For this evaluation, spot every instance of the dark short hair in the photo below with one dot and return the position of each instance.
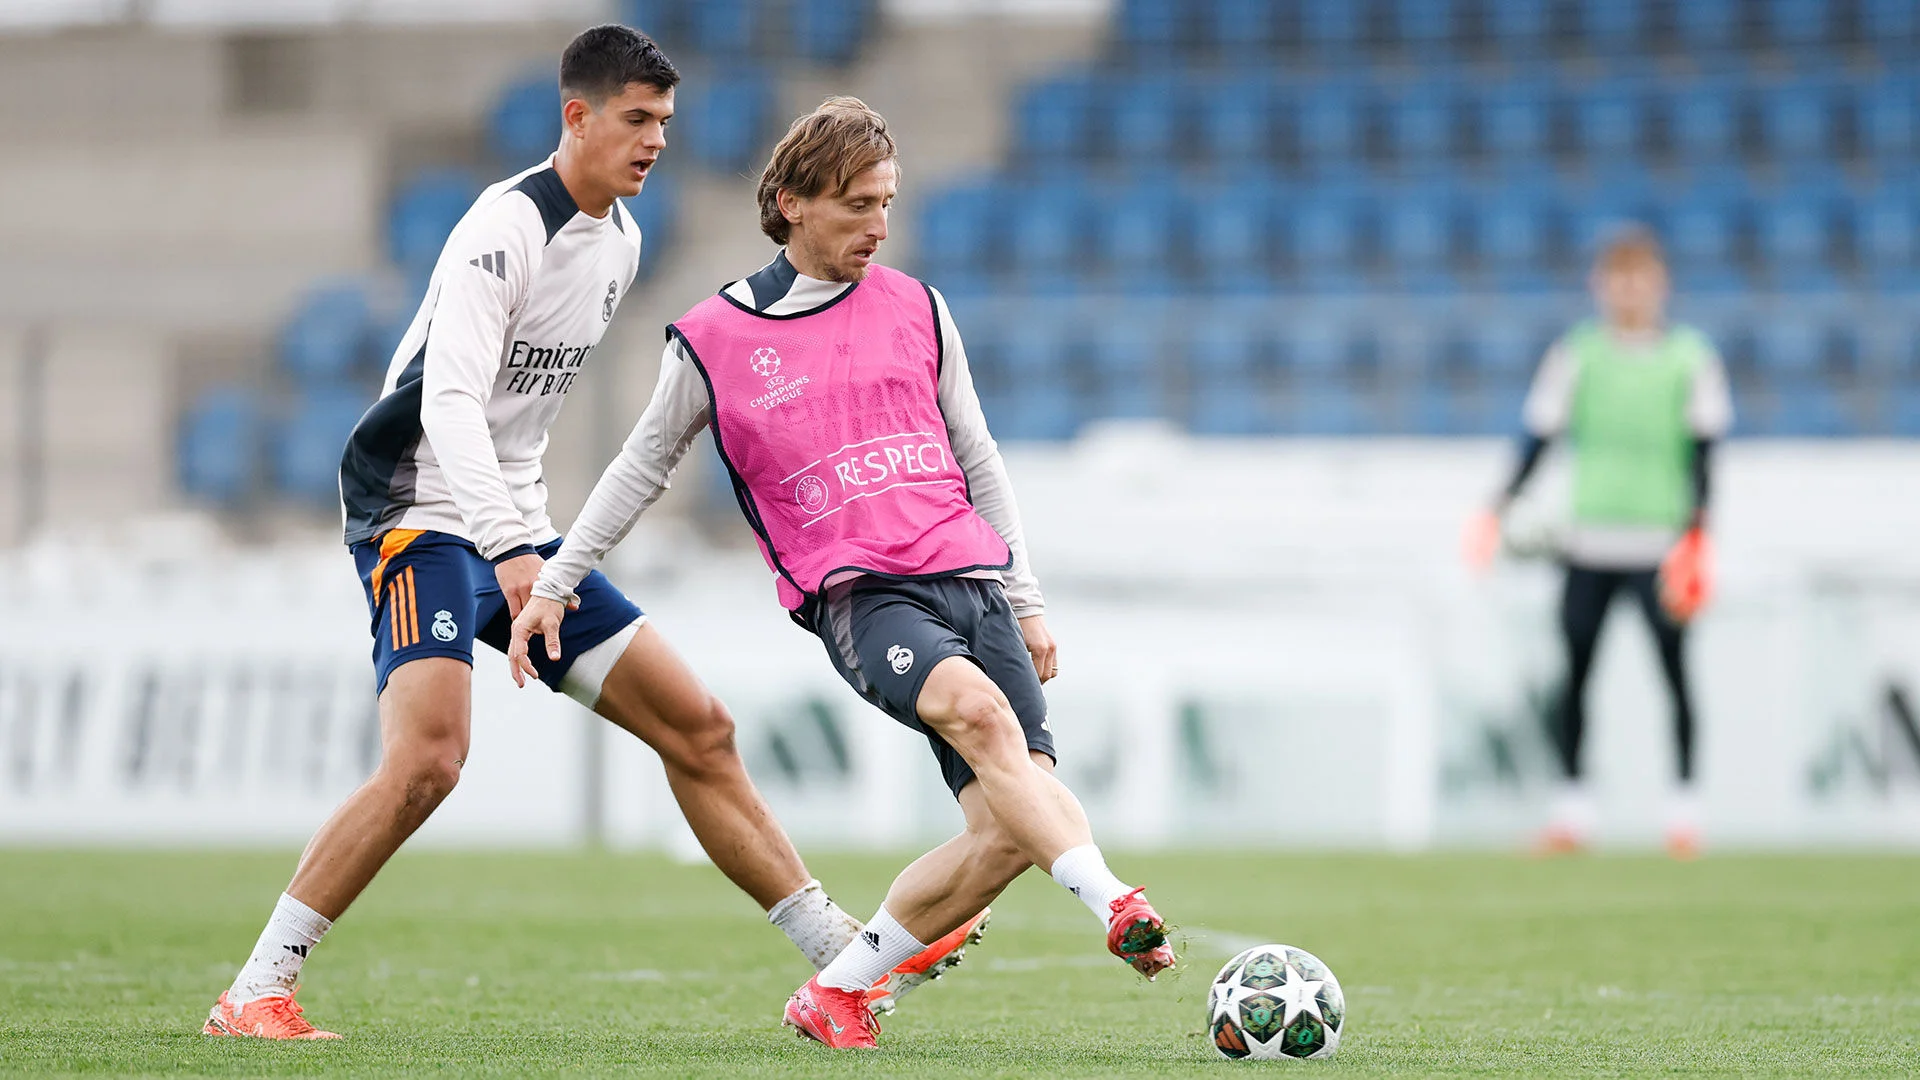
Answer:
(601, 62)
(822, 152)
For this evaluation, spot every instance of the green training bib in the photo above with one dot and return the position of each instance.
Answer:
(1632, 443)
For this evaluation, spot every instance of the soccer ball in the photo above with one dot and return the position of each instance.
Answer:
(1275, 1002)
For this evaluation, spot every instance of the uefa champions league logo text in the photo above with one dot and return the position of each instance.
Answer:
(766, 362)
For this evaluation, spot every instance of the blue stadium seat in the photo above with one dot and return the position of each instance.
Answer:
(424, 213)
(307, 445)
(1902, 415)
(1038, 402)
(1045, 232)
(1324, 235)
(1888, 120)
(1054, 119)
(1316, 346)
(656, 211)
(1326, 406)
(1610, 122)
(665, 21)
(1809, 408)
(1702, 238)
(1795, 234)
(328, 335)
(525, 125)
(1704, 121)
(956, 230)
(1518, 29)
(724, 120)
(1222, 364)
(1236, 120)
(1421, 123)
(1332, 27)
(1507, 348)
(1418, 237)
(1247, 28)
(1798, 24)
(1890, 21)
(1796, 121)
(1790, 345)
(1708, 25)
(1516, 120)
(1886, 237)
(1153, 132)
(1151, 24)
(1135, 232)
(830, 31)
(219, 446)
(724, 28)
(1233, 236)
(1127, 369)
(1513, 238)
(1427, 27)
(1614, 27)
(1330, 123)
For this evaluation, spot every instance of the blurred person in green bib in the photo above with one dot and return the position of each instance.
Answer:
(1641, 402)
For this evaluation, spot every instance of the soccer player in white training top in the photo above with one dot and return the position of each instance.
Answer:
(839, 396)
(446, 517)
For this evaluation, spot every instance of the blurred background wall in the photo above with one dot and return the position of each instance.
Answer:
(1252, 289)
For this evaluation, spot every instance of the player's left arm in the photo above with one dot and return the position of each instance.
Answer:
(978, 456)
(1686, 575)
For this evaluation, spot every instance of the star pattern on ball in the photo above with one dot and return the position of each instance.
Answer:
(1300, 995)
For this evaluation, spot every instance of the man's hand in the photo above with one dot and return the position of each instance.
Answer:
(1046, 655)
(516, 577)
(1480, 540)
(541, 616)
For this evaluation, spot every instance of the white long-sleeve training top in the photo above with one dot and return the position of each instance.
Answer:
(680, 409)
(523, 292)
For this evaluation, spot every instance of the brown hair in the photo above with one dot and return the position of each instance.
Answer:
(1632, 247)
(822, 152)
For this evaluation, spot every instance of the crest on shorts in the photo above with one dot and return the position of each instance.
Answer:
(444, 627)
(900, 658)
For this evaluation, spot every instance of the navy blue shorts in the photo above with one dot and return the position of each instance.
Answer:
(884, 636)
(431, 594)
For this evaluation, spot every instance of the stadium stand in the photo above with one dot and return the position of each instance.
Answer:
(1313, 150)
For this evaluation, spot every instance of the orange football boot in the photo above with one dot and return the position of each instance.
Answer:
(839, 1018)
(276, 1017)
(1138, 935)
(927, 965)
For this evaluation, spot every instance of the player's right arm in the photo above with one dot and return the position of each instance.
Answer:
(634, 481)
(1548, 409)
(465, 344)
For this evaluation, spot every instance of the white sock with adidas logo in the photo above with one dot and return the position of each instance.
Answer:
(880, 948)
(274, 967)
(814, 923)
(1083, 872)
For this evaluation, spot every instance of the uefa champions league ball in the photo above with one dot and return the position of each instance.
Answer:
(1275, 1002)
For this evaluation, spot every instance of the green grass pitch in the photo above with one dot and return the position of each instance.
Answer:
(521, 964)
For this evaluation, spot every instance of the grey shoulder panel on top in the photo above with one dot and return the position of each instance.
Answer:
(550, 196)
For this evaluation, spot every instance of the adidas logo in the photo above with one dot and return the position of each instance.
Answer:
(493, 262)
(872, 939)
(300, 950)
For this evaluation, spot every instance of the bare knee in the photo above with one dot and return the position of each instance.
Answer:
(981, 723)
(704, 745)
(424, 776)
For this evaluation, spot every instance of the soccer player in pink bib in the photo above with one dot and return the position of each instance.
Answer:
(841, 404)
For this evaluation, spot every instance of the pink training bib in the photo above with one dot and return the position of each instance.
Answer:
(830, 424)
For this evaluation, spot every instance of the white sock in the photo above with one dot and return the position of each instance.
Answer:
(1683, 811)
(880, 948)
(1083, 872)
(290, 935)
(1574, 809)
(814, 923)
